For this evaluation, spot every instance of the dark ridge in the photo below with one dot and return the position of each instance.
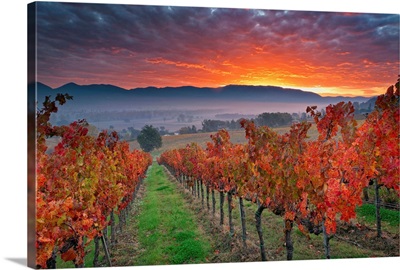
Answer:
(252, 93)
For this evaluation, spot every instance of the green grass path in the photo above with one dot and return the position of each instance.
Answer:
(167, 232)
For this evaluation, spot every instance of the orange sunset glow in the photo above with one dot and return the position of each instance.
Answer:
(129, 46)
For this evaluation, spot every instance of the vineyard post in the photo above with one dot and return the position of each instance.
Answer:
(127, 212)
(128, 208)
(213, 200)
(288, 239)
(96, 251)
(135, 190)
(377, 209)
(243, 221)
(231, 229)
(105, 233)
(259, 231)
(103, 240)
(120, 222)
(198, 188)
(193, 186)
(221, 207)
(196, 183)
(139, 185)
(365, 194)
(326, 241)
(208, 197)
(113, 238)
(202, 193)
(121, 219)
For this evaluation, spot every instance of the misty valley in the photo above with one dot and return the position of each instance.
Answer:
(184, 109)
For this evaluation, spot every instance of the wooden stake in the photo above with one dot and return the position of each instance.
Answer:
(106, 250)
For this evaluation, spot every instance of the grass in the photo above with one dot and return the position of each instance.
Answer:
(390, 218)
(167, 231)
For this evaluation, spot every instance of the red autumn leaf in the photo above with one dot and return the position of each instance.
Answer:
(69, 255)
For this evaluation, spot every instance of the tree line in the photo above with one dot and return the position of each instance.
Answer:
(264, 119)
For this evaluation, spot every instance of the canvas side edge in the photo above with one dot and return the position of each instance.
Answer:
(31, 85)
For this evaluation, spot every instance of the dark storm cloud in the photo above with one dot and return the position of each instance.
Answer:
(333, 32)
(100, 41)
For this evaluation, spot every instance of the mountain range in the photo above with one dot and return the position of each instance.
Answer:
(104, 93)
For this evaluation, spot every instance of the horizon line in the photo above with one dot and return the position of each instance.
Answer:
(210, 87)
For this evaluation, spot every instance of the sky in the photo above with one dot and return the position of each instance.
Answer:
(134, 46)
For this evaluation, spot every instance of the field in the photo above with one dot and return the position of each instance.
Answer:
(236, 136)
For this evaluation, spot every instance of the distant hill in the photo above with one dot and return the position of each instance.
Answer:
(101, 90)
(103, 93)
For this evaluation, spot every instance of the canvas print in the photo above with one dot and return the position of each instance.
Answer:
(162, 135)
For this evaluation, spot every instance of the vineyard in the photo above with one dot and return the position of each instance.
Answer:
(81, 185)
(312, 184)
